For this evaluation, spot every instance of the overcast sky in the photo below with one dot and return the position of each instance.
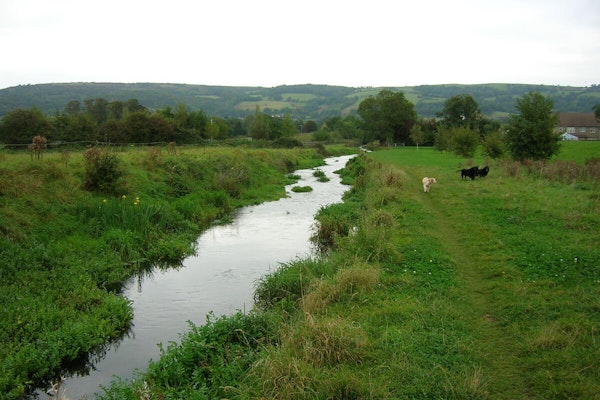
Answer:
(277, 42)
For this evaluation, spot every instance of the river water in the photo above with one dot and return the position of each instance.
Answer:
(220, 278)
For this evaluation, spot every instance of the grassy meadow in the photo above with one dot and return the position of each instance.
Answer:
(479, 289)
(65, 252)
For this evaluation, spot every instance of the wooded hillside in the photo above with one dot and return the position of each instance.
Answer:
(300, 101)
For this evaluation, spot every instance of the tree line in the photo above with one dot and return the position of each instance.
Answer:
(121, 122)
(461, 127)
(388, 118)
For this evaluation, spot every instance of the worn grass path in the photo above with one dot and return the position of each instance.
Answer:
(483, 274)
(479, 278)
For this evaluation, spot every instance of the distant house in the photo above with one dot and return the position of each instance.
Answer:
(582, 125)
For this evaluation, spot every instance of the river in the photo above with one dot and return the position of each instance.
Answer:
(220, 278)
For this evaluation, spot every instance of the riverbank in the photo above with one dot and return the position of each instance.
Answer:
(483, 289)
(65, 252)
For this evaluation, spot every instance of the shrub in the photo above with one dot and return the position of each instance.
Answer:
(102, 171)
(464, 141)
(493, 145)
(321, 136)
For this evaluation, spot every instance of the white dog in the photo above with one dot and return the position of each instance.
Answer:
(427, 183)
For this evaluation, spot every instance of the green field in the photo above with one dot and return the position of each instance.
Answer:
(484, 289)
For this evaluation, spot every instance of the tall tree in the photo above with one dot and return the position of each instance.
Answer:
(74, 127)
(530, 133)
(348, 128)
(258, 125)
(309, 126)
(115, 109)
(236, 127)
(133, 105)
(73, 107)
(98, 109)
(288, 128)
(388, 117)
(461, 111)
(217, 129)
(182, 116)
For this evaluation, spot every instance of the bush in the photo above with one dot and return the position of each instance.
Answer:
(102, 171)
(493, 145)
(321, 136)
(464, 142)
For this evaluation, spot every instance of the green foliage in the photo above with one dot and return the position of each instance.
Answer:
(286, 143)
(463, 295)
(464, 141)
(210, 361)
(443, 139)
(388, 117)
(258, 125)
(309, 126)
(333, 221)
(303, 102)
(320, 175)
(286, 285)
(345, 128)
(302, 189)
(461, 111)
(493, 145)
(64, 251)
(19, 126)
(460, 140)
(530, 134)
(321, 136)
(354, 170)
(103, 171)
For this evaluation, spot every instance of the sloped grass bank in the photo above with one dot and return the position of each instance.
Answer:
(484, 289)
(65, 252)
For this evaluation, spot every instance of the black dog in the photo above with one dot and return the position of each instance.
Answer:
(484, 171)
(469, 173)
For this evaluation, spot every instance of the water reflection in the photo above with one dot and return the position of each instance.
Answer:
(220, 278)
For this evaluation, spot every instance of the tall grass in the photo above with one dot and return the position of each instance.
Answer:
(483, 289)
(68, 242)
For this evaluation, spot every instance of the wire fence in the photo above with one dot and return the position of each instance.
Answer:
(82, 143)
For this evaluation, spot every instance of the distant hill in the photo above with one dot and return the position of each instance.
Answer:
(305, 102)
